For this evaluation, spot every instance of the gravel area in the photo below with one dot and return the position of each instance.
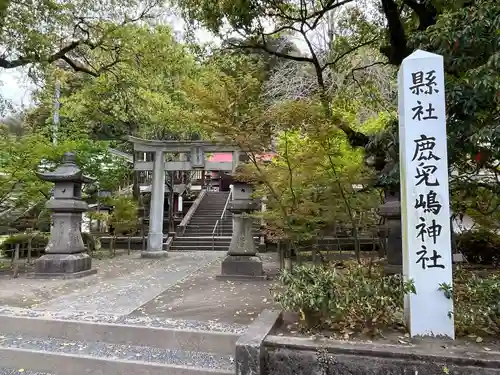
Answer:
(123, 352)
(17, 371)
(145, 321)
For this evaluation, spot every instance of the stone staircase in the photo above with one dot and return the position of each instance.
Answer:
(199, 232)
(41, 344)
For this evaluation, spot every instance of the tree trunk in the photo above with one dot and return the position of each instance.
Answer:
(129, 244)
(29, 250)
(15, 268)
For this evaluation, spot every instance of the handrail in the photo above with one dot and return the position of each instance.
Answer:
(221, 218)
(213, 234)
(227, 202)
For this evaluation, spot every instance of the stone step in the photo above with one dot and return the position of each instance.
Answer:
(200, 247)
(198, 242)
(197, 232)
(78, 343)
(207, 216)
(207, 225)
(59, 356)
(162, 333)
(208, 229)
(191, 234)
(207, 234)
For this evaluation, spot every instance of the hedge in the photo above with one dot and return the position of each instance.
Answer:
(39, 242)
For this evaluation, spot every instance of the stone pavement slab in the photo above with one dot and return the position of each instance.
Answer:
(124, 294)
(121, 286)
(178, 291)
(202, 297)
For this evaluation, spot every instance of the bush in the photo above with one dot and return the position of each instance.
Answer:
(91, 243)
(357, 298)
(38, 244)
(363, 300)
(479, 246)
(477, 303)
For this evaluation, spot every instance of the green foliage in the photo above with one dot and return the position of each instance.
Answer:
(143, 95)
(476, 296)
(309, 182)
(355, 299)
(47, 31)
(124, 217)
(479, 246)
(468, 39)
(39, 242)
(91, 242)
(21, 157)
(361, 299)
(226, 101)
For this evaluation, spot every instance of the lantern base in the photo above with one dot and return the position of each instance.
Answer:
(238, 267)
(63, 266)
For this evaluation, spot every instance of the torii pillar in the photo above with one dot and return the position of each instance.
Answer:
(156, 209)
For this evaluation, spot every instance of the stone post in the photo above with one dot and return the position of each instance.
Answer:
(65, 255)
(156, 210)
(391, 212)
(242, 261)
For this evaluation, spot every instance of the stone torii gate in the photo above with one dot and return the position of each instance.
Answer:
(192, 157)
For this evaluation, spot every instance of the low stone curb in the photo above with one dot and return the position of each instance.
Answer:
(332, 357)
(260, 353)
(249, 355)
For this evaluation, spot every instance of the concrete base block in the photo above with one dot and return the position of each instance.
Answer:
(154, 254)
(63, 276)
(242, 277)
(241, 267)
(66, 266)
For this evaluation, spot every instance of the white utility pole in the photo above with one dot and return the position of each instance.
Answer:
(57, 105)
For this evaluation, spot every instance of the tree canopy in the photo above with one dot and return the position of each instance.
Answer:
(287, 70)
(67, 31)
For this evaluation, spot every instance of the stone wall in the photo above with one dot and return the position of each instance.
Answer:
(294, 356)
(258, 352)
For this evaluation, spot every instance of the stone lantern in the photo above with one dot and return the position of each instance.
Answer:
(391, 212)
(242, 261)
(65, 255)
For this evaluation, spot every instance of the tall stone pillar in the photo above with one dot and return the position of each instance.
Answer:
(391, 212)
(156, 210)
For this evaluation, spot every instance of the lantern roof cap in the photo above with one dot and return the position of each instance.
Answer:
(68, 171)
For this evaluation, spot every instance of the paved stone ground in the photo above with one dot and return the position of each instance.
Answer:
(156, 292)
(202, 297)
